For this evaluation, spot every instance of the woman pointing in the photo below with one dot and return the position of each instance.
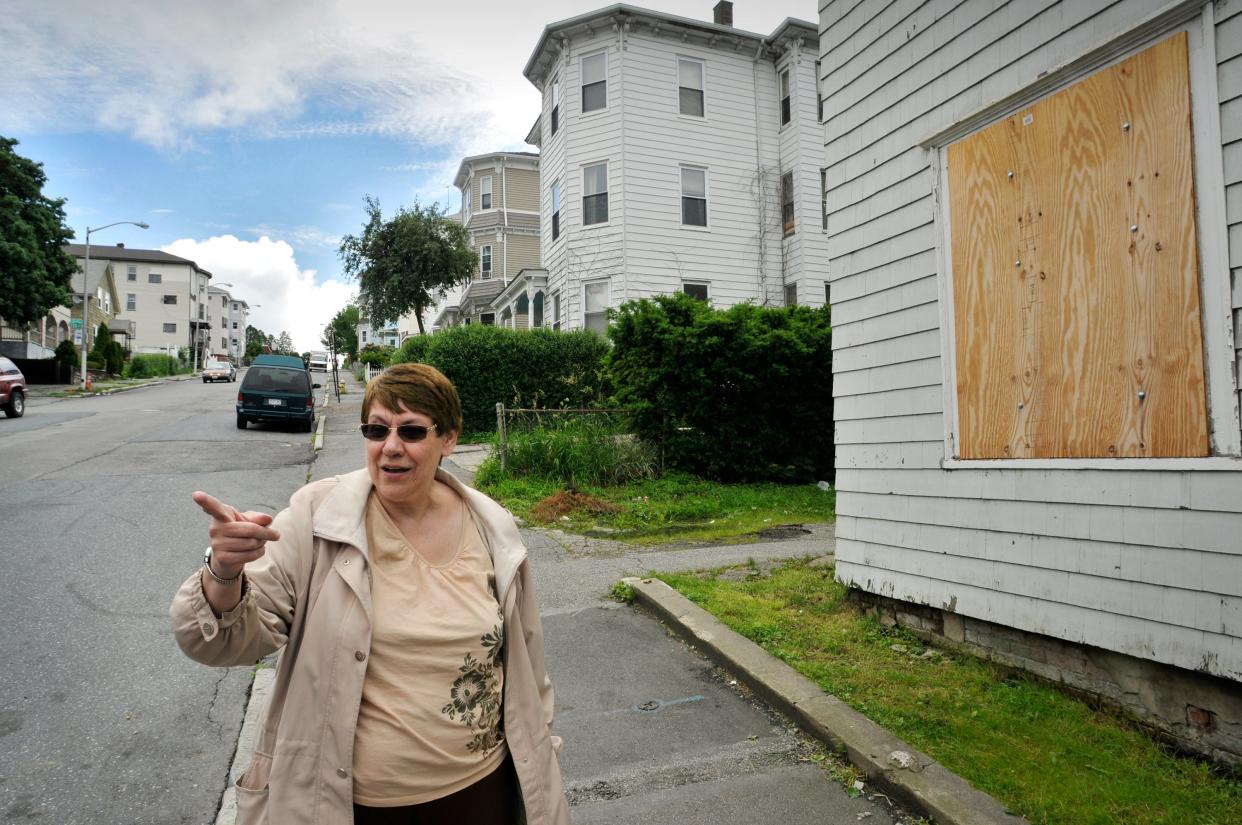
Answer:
(411, 686)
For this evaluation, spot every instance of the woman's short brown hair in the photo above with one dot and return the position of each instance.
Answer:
(420, 388)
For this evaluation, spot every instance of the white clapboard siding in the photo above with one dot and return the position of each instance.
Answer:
(1142, 561)
(645, 250)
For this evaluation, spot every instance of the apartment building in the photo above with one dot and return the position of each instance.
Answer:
(677, 155)
(163, 295)
(500, 210)
(229, 317)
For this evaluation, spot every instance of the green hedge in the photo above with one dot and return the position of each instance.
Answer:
(521, 368)
(737, 394)
(151, 366)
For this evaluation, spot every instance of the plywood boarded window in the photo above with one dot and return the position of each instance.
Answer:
(1075, 272)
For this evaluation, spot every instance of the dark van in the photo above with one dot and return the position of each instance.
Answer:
(272, 392)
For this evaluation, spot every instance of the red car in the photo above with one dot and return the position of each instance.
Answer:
(12, 389)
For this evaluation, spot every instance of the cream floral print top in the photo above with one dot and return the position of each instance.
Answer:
(430, 720)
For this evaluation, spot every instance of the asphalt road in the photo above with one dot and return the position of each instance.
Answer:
(102, 719)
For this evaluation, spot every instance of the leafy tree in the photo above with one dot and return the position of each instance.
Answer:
(35, 271)
(406, 263)
(283, 344)
(345, 325)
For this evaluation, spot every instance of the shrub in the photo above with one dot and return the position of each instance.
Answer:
(67, 353)
(577, 450)
(114, 357)
(151, 366)
(376, 354)
(737, 394)
(527, 368)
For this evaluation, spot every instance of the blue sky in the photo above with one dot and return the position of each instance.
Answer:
(247, 134)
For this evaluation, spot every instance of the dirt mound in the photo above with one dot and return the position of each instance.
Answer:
(565, 502)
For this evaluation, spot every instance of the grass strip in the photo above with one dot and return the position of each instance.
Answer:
(1045, 755)
(673, 508)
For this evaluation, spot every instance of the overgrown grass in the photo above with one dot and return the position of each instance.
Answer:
(674, 507)
(575, 451)
(1045, 755)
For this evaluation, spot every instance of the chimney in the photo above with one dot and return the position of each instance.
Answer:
(722, 14)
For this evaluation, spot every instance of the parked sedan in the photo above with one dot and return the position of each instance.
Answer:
(12, 389)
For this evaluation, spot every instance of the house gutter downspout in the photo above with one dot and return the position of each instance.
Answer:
(622, 26)
(504, 224)
(759, 180)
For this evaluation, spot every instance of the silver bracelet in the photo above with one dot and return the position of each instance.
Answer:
(212, 573)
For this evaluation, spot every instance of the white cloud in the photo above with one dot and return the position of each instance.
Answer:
(444, 75)
(265, 272)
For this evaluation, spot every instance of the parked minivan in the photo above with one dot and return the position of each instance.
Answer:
(274, 390)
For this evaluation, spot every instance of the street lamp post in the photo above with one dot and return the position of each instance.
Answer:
(86, 269)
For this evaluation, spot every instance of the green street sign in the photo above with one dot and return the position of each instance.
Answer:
(75, 323)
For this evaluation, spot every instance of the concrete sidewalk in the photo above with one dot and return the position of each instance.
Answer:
(654, 732)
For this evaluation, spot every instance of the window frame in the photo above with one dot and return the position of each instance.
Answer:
(707, 289)
(556, 309)
(823, 198)
(485, 261)
(784, 94)
(605, 193)
(586, 285)
(702, 89)
(131, 272)
(555, 116)
(789, 224)
(172, 331)
(556, 198)
(582, 85)
(167, 296)
(706, 198)
(155, 278)
(485, 191)
(1224, 424)
(790, 289)
(131, 301)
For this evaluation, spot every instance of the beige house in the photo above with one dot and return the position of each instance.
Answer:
(164, 296)
(500, 209)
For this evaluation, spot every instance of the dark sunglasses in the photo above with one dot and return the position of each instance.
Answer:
(409, 433)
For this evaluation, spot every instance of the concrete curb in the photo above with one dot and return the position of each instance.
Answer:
(912, 776)
(323, 420)
(264, 679)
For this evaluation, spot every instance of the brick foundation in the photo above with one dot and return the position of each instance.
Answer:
(1194, 712)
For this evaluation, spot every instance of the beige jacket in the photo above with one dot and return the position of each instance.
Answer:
(311, 594)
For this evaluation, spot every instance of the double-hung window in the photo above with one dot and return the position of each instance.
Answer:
(556, 310)
(485, 261)
(791, 295)
(594, 82)
(693, 196)
(131, 273)
(485, 192)
(595, 194)
(556, 210)
(784, 97)
(595, 306)
(131, 301)
(690, 86)
(787, 203)
(556, 105)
